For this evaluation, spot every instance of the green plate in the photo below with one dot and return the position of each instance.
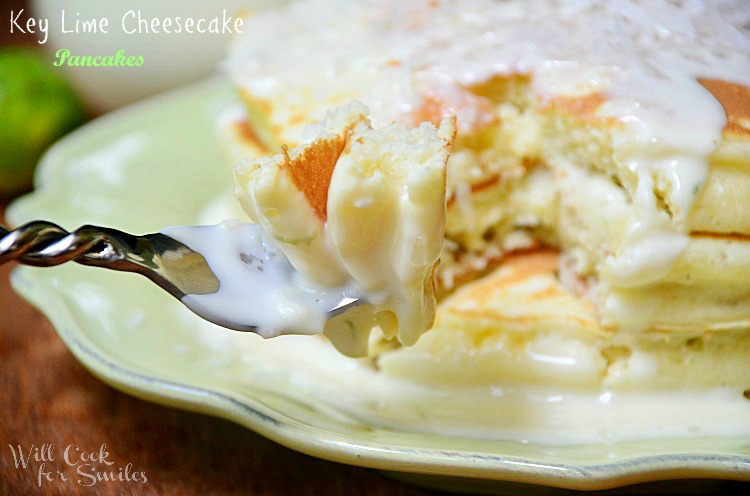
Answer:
(159, 163)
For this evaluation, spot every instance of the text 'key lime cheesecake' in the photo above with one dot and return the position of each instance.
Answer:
(617, 135)
(359, 208)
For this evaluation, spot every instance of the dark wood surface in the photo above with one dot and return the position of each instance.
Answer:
(47, 397)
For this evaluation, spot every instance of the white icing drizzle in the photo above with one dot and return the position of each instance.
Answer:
(258, 287)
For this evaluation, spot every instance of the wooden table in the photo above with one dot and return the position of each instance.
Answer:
(46, 397)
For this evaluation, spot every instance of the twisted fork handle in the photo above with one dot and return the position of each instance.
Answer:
(44, 244)
(170, 264)
(167, 262)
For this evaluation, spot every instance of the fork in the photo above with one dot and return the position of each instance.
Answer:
(170, 264)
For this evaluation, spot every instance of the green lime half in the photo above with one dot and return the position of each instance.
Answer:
(37, 106)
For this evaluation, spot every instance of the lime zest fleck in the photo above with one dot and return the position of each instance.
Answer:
(299, 241)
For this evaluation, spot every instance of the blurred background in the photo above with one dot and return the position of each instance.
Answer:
(40, 103)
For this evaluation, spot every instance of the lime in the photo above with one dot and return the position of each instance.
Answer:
(37, 106)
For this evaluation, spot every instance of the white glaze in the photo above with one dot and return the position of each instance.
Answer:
(309, 367)
(258, 287)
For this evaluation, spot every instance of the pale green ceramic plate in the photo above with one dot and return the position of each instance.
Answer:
(158, 164)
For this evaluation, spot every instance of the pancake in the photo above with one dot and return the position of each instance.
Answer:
(358, 211)
(723, 204)
(521, 326)
(617, 135)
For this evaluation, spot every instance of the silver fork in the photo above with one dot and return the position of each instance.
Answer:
(167, 262)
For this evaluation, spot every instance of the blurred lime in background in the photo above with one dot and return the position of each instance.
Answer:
(37, 106)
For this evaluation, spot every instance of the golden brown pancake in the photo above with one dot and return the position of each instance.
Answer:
(553, 151)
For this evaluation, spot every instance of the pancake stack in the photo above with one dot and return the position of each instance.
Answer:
(598, 191)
